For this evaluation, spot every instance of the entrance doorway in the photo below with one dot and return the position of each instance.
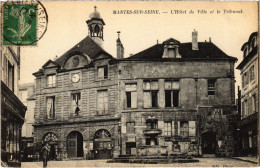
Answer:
(209, 143)
(52, 140)
(102, 145)
(75, 144)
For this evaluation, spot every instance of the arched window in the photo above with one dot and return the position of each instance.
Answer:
(50, 137)
(102, 134)
(96, 30)
(90, 30)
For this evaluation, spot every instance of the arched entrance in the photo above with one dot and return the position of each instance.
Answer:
(102, 145)
(209, 143)
(75, 144)
(52, 140)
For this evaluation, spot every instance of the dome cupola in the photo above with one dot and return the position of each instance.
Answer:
(95, 14)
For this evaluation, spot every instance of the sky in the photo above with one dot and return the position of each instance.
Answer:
(67, 26)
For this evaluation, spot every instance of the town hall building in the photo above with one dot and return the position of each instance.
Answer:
(172, 98)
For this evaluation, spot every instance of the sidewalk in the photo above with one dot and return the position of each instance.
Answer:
(247, 159)
(203, 162)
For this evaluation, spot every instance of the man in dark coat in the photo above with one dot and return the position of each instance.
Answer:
(45, 154)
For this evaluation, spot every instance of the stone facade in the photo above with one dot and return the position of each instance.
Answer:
(192, 77)
(89, 120)
(157, 102)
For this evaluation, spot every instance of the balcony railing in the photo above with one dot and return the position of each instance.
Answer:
(152, 131)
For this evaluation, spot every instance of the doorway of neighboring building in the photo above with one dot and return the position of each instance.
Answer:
(209, 143)
(75, 144)
(130, 148)
(102, 145)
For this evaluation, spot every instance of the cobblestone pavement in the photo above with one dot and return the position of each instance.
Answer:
(204, 162)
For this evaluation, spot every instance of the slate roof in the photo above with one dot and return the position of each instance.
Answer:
(207, 50)
(86, 46)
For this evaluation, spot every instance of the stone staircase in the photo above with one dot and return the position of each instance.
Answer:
(153, 159)
(208, 155)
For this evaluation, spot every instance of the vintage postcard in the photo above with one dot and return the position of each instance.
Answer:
(129, 83)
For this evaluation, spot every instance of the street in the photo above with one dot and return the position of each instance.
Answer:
(204, 162)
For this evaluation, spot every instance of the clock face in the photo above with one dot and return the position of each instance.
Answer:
(75, 78)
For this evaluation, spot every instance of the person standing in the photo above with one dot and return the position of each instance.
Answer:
(45, 154)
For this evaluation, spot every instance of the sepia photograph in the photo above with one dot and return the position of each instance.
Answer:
(129, 83)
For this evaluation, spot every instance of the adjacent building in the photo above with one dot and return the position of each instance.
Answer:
(26, 95)
(172, 98)
(249, 95)
(12, 109)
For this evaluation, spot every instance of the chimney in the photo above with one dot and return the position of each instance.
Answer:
(210, 39)
(119, 47)
(195, 40)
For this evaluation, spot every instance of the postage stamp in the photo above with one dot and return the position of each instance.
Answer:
(24, 23)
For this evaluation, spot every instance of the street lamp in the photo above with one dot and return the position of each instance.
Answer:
(120, 141)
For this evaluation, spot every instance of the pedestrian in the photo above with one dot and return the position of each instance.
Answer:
(45, 154)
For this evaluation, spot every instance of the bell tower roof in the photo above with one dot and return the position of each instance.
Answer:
(94, 14)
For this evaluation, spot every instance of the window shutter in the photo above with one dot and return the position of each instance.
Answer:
(101, 72)
(161, 126)
(147, 100)
(79, 102)
(134, 99)
(100, 102)
(178, 128)
(192, 128)
(49, 80)
(105, 101)
(173, 129)
(54, 80)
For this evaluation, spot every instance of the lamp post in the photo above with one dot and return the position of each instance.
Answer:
(120, 141)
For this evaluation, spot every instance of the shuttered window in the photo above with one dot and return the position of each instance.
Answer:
(102, 102)
(102, 72)
(51, 107)
(150, 88)
(147, 100)
(131, 95)
(51, 80)
(76, 103)
(171, 93)
(184, 129)
(168, 128)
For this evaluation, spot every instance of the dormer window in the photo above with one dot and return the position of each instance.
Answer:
(171, 49)
(102, 72)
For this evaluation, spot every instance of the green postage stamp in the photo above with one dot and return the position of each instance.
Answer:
(21, 22)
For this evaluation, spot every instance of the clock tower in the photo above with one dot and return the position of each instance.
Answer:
(95, 27)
